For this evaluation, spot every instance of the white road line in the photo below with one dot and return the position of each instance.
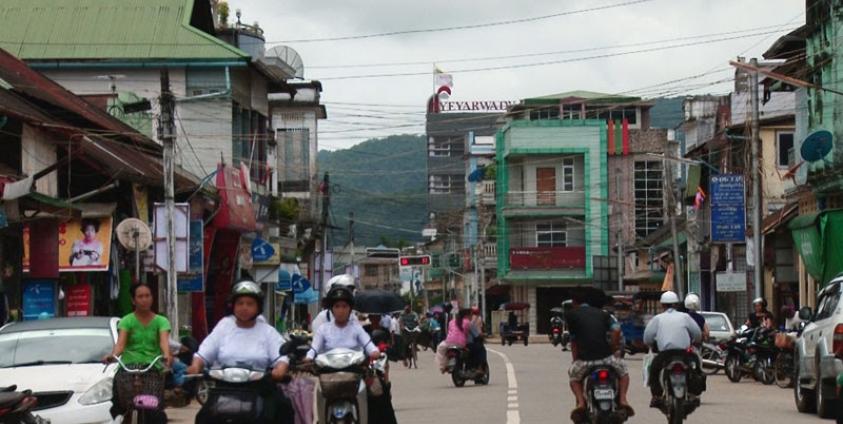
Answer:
(512, 414)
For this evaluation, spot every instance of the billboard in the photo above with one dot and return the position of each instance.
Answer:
(728, 208)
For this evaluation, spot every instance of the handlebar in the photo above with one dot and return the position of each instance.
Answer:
(139, 370)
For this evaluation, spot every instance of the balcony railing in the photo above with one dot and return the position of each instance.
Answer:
(490, 255)
(526, 258)
(545, 199)
(486, 192)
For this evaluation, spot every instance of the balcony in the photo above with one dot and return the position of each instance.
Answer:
(547, 258)
(565, 202)
(485, 191)
(490, 255)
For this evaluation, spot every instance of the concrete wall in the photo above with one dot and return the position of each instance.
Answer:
(204, 124)
(774, 185)
(38, 151)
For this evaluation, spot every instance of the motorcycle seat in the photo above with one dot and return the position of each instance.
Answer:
(9, 399)
(11, 388)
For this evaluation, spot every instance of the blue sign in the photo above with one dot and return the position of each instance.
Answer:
(193, 282)
(39, 299)
(300, 285)
(728, 208)
(285, 281)
(262, 250)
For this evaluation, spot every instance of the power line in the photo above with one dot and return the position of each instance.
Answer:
(463, 27)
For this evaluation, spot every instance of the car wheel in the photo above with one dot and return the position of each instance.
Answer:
(825, 408)
(804, 398)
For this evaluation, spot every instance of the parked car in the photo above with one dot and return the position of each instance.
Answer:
(720, 327)
(817, 366)
(59, 360)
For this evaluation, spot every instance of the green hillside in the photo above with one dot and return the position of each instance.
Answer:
(384, 182)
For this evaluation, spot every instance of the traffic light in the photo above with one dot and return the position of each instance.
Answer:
(422, 260)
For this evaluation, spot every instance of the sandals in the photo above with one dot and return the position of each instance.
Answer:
(578, 415)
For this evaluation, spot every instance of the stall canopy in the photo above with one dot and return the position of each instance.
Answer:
(817, 236)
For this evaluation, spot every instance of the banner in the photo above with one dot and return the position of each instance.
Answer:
(728, 208)
(39, 299)
(85, 244)
(78, 300)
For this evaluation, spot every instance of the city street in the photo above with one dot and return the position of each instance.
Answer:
(540, 394)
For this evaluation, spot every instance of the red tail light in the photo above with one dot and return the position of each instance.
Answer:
(556, 331)
(382, 346)
(678, 368)
(603, 375)
(838, 341)
(4, 411)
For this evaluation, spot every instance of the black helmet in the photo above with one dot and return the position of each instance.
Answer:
(339, 293)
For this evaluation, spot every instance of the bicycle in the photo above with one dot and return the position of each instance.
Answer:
(140, 392)
(411, 352)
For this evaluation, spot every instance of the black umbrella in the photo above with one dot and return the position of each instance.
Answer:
(378, 302)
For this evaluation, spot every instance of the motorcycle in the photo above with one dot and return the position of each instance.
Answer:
(558, 335)
(461, 369)
(713, 357)
(602, 397)
(738, 361)
(677, 400)
(762, 356)
(235, 396)
(343, 398)
(16, 407)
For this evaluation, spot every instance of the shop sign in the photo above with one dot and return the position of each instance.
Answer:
(728, 208)
(78, 300)
(39, 299)
(731, 282)
(181, 220)
(193, 282)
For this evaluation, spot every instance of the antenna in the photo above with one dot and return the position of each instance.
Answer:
(290, 57)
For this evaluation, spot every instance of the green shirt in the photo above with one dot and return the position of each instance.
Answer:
(144, 342)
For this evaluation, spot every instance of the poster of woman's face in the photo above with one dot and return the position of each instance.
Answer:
(84, 245)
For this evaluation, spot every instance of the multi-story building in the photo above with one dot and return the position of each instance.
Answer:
(569, 185)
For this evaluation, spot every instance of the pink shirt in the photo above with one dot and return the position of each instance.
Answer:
(455, 335)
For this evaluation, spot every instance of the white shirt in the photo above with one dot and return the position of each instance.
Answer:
(792, 323)
(672, 330)
(323, 317)
(351, 336)
(394, 326)
(230, 345)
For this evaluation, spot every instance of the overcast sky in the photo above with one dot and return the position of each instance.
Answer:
(394, 105)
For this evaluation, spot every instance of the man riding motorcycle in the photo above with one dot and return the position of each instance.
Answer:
(671, 332)
(590, 348)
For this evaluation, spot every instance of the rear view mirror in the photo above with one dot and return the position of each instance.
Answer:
(805, 314)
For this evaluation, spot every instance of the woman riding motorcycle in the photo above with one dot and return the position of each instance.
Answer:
(458, 331)
(245, 339)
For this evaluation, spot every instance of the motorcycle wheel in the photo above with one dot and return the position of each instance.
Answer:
(458, 382)
(484, 380)
(783, 370)
(733, 369)
(203, 388)
(763, 373)
(710, 355)
(675, 412)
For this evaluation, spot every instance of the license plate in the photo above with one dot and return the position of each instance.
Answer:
(604, 394)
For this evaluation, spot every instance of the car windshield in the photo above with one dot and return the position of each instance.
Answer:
(716, 323)
(70, 345)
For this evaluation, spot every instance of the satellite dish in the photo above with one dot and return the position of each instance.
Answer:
(290, 57)
(817, 145)
(134, 235)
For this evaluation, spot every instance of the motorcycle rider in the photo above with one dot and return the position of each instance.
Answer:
(474, 342)
(670, 331)
(458, 330)
(760, 316)
(342, 280)
(692, 307)
(244, 338)
(590, 347)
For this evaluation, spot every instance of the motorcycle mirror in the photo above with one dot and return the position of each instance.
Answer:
(805, 314)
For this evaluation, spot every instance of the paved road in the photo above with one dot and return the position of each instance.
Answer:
(536, 391)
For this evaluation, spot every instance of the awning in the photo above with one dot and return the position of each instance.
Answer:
(776, 219)
(681, 237)
(817, 237)
(37, 203)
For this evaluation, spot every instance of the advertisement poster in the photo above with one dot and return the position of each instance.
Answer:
(39, 299)
(193, 282)
(85, 244)
(78, 300)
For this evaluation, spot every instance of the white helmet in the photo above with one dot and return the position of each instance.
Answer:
(692, 302)
(669, 298)
(344, 280)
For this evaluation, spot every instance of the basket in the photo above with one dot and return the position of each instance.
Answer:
(784, 341)
(339, 385)
(151, 383)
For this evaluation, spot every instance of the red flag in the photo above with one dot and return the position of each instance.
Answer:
(625, 137)
(611, 148)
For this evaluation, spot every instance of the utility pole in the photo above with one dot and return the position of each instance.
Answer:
(755, 172)
(620, 255)
(351, 238)
(166, 128)
(326, 203)
(671, 210)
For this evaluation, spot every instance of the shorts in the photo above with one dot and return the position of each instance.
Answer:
(579, 369)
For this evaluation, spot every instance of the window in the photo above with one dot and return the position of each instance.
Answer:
(649, 206)
(445, 146)
(551, 234)
(544, 113)
(445, 184)
(572, 111)
(371, 270)
(605, 113)
(295, 149)
(567, 175)
(784, 145)
(828, 303)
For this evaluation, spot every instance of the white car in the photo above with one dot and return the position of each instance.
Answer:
(719, 326)
(819, 352)
(59, 360)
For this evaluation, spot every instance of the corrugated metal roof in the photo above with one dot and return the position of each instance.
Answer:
(588, 96)
(107, 29)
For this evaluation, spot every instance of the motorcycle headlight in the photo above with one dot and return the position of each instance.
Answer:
(98, 393)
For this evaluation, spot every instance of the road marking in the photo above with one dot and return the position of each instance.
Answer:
(512, 414)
